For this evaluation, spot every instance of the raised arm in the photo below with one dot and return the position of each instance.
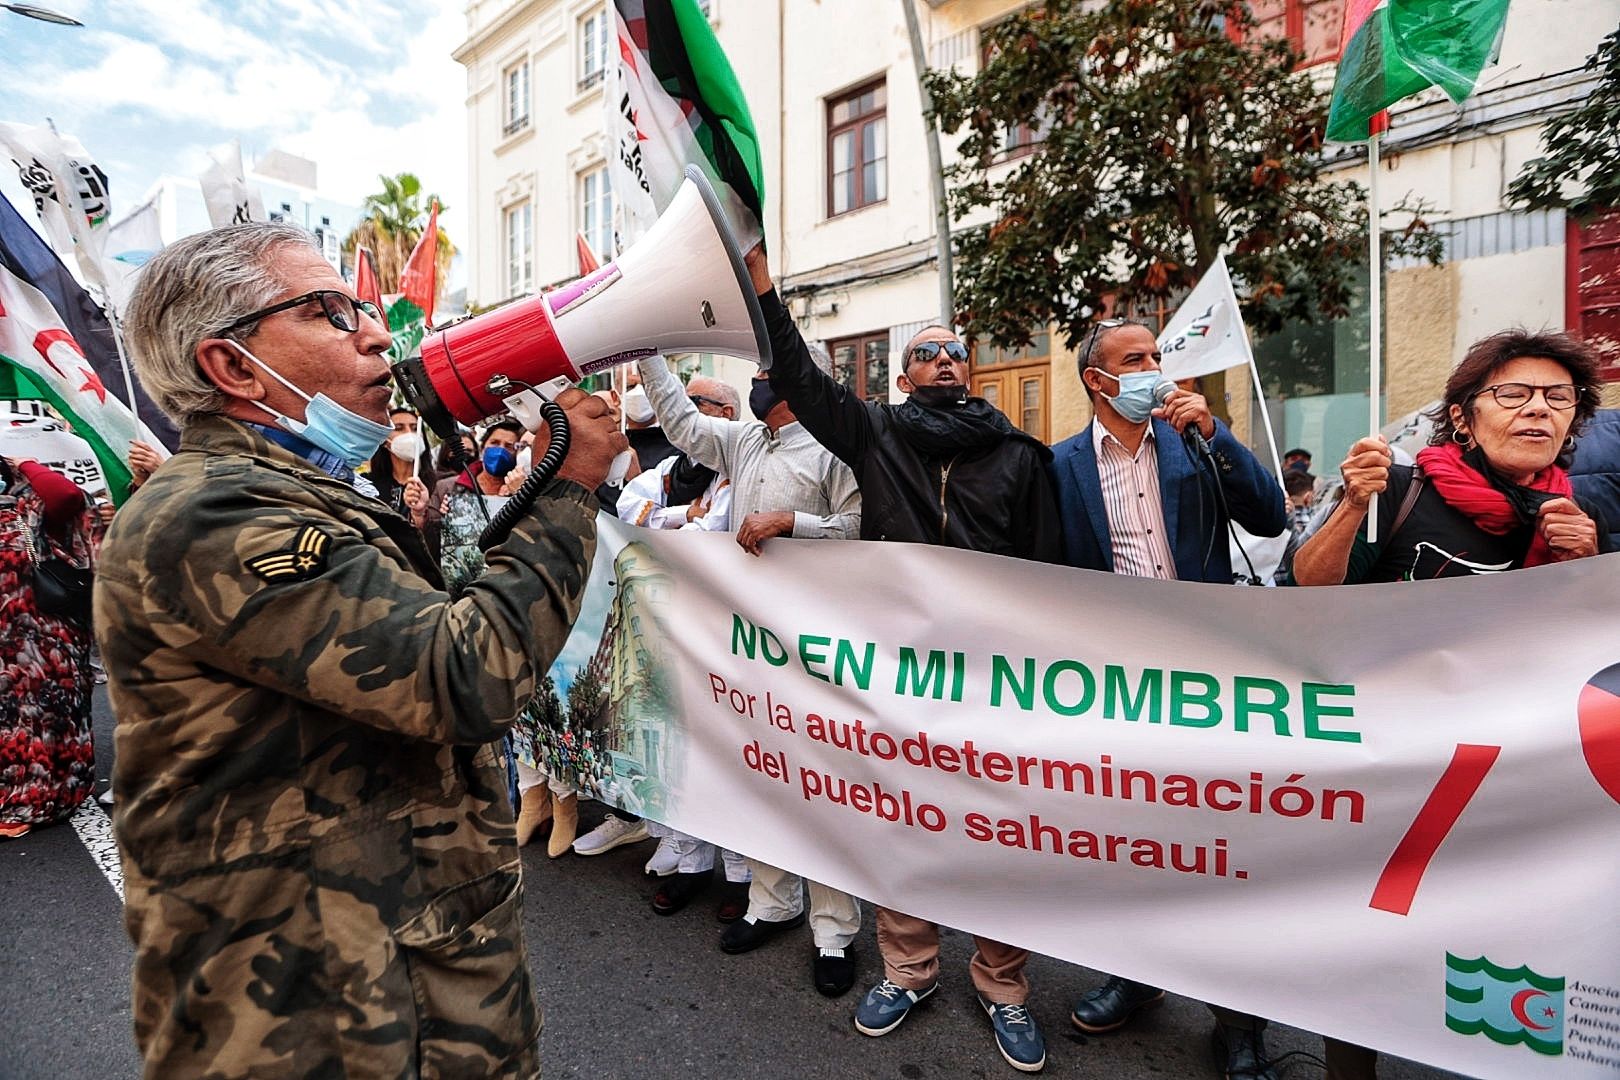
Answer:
(708, 440)
(839, 420)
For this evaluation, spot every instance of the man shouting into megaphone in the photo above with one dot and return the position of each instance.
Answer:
(318, 847)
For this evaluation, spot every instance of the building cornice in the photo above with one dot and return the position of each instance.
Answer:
(879, 264)
(503, 23)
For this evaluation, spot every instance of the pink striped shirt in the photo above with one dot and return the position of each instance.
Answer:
(1130, 491)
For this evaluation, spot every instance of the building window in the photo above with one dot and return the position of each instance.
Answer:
(593, 47)
(517, 98)
(862, 364)
(596, 213)
(1311, 26)
(857, 149)
(520, 249)
(988, 355)
(1019, 139)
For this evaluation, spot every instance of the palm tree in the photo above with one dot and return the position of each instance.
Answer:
(392, 223)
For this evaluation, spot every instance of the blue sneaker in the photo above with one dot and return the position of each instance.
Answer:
(1017, 1036)
(885, 1005)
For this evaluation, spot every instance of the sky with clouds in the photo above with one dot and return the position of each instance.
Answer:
(150, 86)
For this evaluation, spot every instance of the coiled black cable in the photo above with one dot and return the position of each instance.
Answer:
(541, 473)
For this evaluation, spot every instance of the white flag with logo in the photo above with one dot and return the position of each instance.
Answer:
(231, 200)
(131, 242)
(69, 190)
(1206, 334)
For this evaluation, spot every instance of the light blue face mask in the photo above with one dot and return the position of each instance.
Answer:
(346, 435)
(1135, 399)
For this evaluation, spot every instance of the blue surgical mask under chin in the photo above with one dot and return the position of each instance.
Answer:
(1135, 398)
(346, 435)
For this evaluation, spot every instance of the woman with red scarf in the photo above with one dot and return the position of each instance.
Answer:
(47, 762)
(1491, 493)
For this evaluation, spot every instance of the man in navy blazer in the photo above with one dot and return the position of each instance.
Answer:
(1132, 499)
(1119, 366)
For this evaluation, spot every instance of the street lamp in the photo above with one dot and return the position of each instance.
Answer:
(33, 11)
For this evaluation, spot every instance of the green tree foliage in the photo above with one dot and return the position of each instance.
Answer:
(585, 697)
(1581, 148)
(392, 222)
(1162, 140)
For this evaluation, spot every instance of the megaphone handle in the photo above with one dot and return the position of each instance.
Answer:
(620, 468)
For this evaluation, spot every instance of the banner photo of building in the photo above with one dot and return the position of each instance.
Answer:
(1383, 813)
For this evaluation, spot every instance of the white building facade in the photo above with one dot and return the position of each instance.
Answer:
(849, 216)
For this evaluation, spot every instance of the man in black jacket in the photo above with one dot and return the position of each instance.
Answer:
(941, 468)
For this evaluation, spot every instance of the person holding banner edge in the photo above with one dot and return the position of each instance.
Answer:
(943, 468)
(1488, 494)
(1491, 491)
(1136, 500)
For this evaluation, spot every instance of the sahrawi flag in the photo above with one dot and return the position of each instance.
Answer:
(1206, 333)
(35, 344)
(1391, 49)
(673, 100)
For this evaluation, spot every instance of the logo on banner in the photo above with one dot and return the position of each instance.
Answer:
(1511, 1006)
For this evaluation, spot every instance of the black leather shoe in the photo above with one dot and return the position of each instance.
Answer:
(1107, 1008)
(1240, 1054)
(834, 971)
(678, 890)
(746, 935)
(733, 901)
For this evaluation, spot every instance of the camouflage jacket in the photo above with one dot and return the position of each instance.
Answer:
(321, 870)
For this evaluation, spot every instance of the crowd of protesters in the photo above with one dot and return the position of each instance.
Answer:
(1494, 492)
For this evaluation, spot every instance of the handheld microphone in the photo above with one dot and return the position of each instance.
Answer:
(1197, 445)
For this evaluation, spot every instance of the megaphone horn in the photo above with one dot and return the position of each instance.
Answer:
(682, 288)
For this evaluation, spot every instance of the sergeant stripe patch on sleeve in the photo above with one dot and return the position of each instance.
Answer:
(306, 558)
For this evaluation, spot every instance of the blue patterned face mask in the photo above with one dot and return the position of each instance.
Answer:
(346, 435)
(1135, 398)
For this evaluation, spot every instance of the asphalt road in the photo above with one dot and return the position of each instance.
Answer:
(626, 993)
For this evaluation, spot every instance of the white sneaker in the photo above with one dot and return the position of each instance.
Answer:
(666, 860)
(613, 832)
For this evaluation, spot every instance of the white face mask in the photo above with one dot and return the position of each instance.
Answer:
(406, 446)
(637, 409)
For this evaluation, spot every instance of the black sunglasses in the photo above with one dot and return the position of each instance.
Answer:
(341, 310)
(928, 351)
(699, 400)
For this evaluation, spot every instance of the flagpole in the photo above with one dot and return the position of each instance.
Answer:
(1375, 267)
(118, 342)
(1265, 415)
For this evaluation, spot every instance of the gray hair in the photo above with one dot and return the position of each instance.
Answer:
(194, 288)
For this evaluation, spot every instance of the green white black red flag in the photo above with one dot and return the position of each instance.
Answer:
(672, 100)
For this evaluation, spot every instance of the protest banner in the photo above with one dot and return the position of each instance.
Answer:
(1351, 810)
(30, 435)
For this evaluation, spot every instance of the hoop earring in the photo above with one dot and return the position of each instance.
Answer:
(1459, 436)
(1569, 443)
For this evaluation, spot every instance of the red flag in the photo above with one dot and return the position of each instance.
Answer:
(367, 286)
(419, 281)
(587, 258)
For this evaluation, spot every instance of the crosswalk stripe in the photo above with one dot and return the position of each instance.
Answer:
(95, 832)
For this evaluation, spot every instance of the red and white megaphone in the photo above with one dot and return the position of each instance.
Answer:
(682, 288)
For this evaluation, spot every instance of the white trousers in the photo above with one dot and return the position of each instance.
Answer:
(698, 855)
(776, 896)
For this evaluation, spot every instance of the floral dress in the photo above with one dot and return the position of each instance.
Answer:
(47, 762)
